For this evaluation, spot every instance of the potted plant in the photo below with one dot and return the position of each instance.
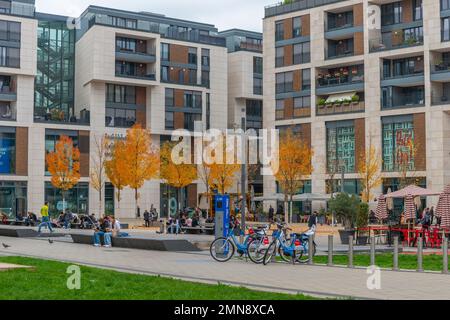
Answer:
(362, 221)
(346, 105)
(355, 101)
(346, 208)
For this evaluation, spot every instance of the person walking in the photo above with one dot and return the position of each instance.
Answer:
(271, 212)
(45, 218)
(147, 219)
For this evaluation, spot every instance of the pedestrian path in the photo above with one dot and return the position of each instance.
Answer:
(312, 280)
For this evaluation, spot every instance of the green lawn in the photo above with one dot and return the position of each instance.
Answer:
(47, 280)
(384, 260)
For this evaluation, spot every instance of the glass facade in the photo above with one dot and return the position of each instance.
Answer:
(13, 199)
(76, 199)
(109, 199)
(169, 197)
(340, 147)
(54, 84)
(299, 207)
(398, 146)
(351, 186)
(7, 150)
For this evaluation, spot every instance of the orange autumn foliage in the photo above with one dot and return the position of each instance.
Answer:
(114, 168)
(176, 175)
(64, 164)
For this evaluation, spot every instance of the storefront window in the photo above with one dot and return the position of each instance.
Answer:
(109, 199)
(52, 137)
(13, 199)
(169, 197)
(299, 207)
(75, 199)
(398, 146)
(7, 150)
(340, 147)
(351, 186)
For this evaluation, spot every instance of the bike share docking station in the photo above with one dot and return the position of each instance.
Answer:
(222, 219)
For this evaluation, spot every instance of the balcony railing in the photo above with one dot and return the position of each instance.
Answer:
(378, 44)
(248, 46)
(404, 101)
(403, 76)
(149, 76)
(328, 80)
(440, 67)
(7, 112)
(58, 116)
(338, 108)
(150, 52)
(294, 5)
(340, 26)
(337, 55)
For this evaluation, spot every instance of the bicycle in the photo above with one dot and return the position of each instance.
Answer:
(290, 249)
(223, 249)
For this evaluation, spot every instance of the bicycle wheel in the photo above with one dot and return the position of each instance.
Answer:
(221, 249)
(284, 256)
(271, 251)
(256, 250)
(303, 255)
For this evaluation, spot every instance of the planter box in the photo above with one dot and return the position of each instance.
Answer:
(344, 235)
(362, 240)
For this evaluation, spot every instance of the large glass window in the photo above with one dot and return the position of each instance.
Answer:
(169, 122)
(109, 199)
(120, 94)
(279, 109)
(284, 82)
(302, 53)
(398, 146)
(279, 30)
(257, 65)
(165, 52)
(257, 86)
(417, 10)
(340, 20)
(279, 57)
(391, 13)
(9, 57)
(445, 29)
(205, 58)
(120, 117)
(189, 120)
(296, 27)
(340, 147)
(75, 199)
(306, 79)
(445, 5)
(7, 150)
(9, 31)
(192, 99)
(192, 56)
(125, 44)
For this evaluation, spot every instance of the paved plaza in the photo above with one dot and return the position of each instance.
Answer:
(313, 280)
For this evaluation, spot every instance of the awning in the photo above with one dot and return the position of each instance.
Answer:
(412, 190)
(296, 198)
(340, 96)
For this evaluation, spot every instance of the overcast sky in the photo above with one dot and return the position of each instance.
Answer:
(225, 14)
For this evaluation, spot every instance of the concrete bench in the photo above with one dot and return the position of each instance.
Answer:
(140, 243)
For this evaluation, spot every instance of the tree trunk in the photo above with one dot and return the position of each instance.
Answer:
(290, 209)
(136, 202)
(286, 209)
(100, 204)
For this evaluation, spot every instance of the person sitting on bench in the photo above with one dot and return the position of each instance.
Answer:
(104, 229)
(117, 229)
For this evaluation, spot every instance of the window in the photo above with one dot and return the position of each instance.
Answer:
(165, 52)
(169, 120)
(9, 57)
(192, 99)
(417, 10)
(398, 96)
(120, 94)
(75, 199)
(398, 139)
(340, 20)
(445, 29)
(302, 53)
(5, 6)
(205, 79)
(302, 102)
(258, 65)
(413, 34)
(279, 31)
(170, 100)
(192, 56)
(257, 86)
(340, 147)
(296, 27)
(7, 150)
(279, 108)
(338, 48)
(164, 73)
(279, 57)
(120, 117)
(284, 82)
(9, 31)
(445, 5)
(192, 76)
(189, 120)
(109, 198)
(208, 111)
(205, 58)
(122, 22)
(306, 79)
(125, 44)
(391, 13)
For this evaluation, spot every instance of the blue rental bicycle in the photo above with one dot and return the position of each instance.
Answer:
(290, 249)
(223, 249)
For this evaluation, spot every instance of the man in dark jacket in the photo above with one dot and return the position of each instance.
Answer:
(312, 222)
(147, 218)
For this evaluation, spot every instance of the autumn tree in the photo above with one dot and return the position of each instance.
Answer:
(294, 166)
(115, 168)
(369, 169)
(64, 165)
(98, 168)
(174, 171)
(142, 160)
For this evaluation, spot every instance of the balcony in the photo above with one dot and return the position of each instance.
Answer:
(132, 70)
(59, 116)
(440, 71)
(339, 104)
(339, 48)
(7, 112)
(249, 46)
(134, 56)
(394, 42)
(340, 80)
(440, 93)
(294, 5)
(7, 89)
(396, 97)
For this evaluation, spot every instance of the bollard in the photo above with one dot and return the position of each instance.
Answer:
(395, 262)
(420, 255)
(311, 250)
(350, 252)
(330, 250)
(372, 251)
(445, 254)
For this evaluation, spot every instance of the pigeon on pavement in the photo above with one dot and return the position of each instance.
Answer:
(6, 246)
(50, 241)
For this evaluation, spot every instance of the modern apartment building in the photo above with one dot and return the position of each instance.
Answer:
(100, 75)
(353, 73)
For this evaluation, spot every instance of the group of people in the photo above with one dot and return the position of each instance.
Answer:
(150, 217)
(107, 228)
(183, 219)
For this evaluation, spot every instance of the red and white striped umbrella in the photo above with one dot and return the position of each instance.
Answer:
(381, 211)
(443, 208)
(410, 208)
